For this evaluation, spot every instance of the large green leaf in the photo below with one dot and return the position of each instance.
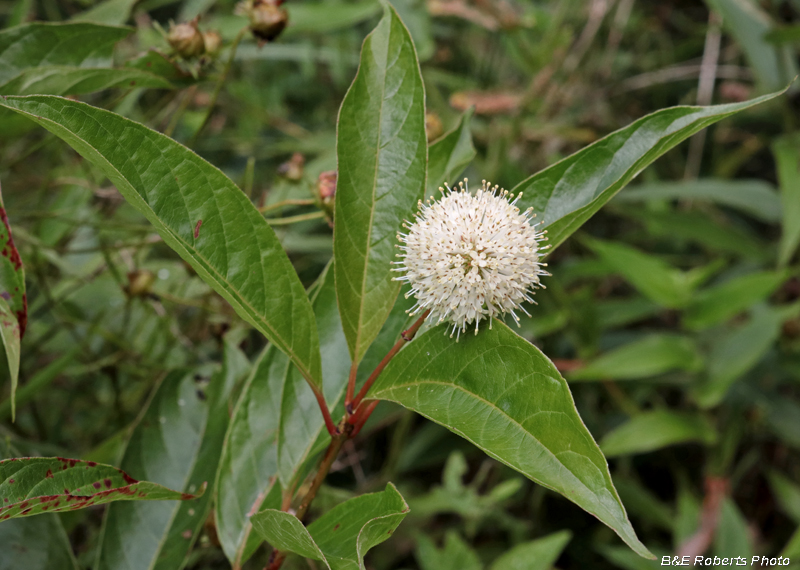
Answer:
(450, 155)
(341, 537)
(786, 151)
(502, 394)
(568, 193)
(382, 153)
(45, 44)
(656, 429)
(277, 422)
(11, 335)
(33, 485)
(68, 80)
(199, 212)
(652, 355)
(177, 442)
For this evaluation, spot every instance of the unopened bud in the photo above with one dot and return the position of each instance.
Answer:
(267, 19)
(140, 282)
(293, 168)
(326, 192)
(433, 126)
(212, 41)
(186, 39)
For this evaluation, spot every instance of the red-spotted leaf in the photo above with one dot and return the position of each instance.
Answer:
(34, 485)
(13, 303)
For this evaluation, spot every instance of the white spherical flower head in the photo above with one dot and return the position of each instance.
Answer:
(471, 257)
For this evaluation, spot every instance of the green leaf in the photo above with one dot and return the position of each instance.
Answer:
(47, 44)
(34, 543)
(13, 302)
(754, 197)
(652, 277)
(733, 534)
(539, 554)
(568, 193)
(320, 18)
(382, 152)
(502, 394)
(455, 555)
(736, 352)
(33, 485)
(787, 494)
(792, 548)
(110, 12)
(655, 430)
(277, 420)
(341, 537)
(67, 80)
(199, 212)
(450, 155)
(11, 334)
(249, 463)
(786, 151)
(748, 24)
(177, 442)
(624, 558)
(641, 502)
(652, 355)
(716, 304)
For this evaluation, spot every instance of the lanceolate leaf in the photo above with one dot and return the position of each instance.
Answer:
(33, 485)
(199, 212)
(450, 155)
(277, 421)
(34, 543)
(341, 537)
(539, 554)
(382, 150)
(66, 80)
(502, 394)
(177, 442)
(656, 429)
(786, 151)
(44, 44)
(13, 302)
(568, 193)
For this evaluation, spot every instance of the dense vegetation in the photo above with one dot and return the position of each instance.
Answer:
(673, 313)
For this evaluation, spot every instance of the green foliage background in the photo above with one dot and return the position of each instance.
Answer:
(673, 313)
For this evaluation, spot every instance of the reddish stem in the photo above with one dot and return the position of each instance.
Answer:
(363, 414)
(323, 406)
(351, 387)
(405, 336)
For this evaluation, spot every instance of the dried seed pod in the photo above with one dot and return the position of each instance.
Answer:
(186, 39)
(212, 41)
(267, 19)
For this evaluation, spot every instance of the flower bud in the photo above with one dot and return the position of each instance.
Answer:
(326, 191)
(267, 19)
(212, 41)
(140, 281)
(292, 169)
(186, 39)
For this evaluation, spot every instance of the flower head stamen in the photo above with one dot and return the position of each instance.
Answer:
(471, 257)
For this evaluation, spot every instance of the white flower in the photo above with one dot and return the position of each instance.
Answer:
(470, 257)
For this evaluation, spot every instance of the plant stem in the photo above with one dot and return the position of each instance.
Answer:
(405, 336)
(351, 388)
(283, 203)
(326, 414)
(294, 219)
(337, 441)
(218, 87)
